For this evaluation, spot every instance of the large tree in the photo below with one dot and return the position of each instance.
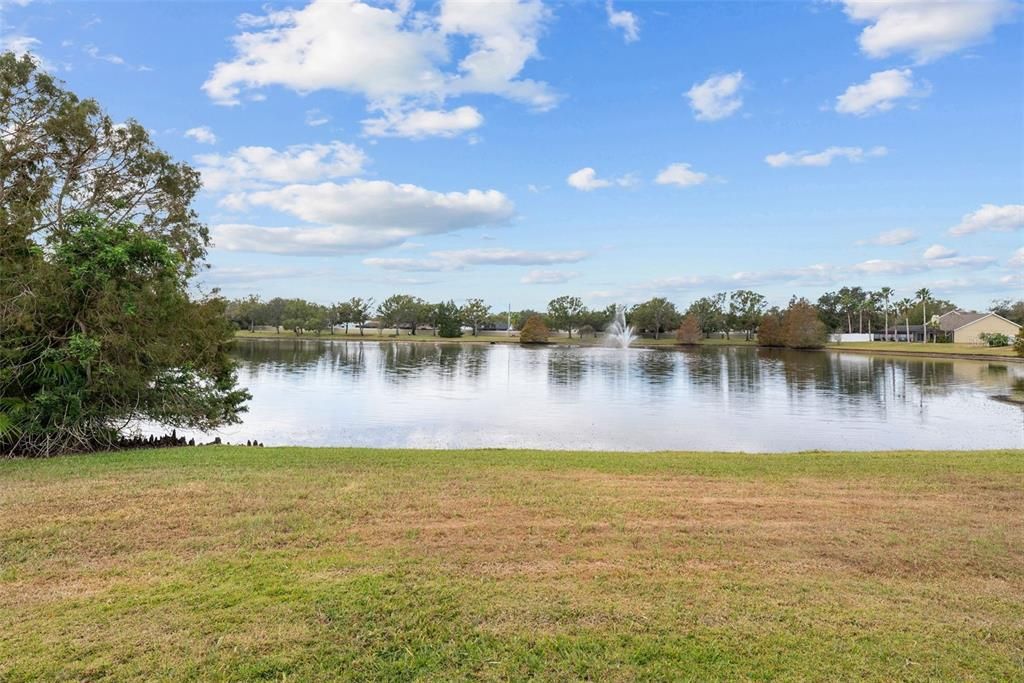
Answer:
(655, 315)
(565, 313)
(475, 312)
(98, 244)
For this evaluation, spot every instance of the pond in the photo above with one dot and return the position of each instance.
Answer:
(436, 395)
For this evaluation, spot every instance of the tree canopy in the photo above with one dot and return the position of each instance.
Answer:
(98, 244)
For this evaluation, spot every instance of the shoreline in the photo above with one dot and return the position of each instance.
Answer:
(667, 343)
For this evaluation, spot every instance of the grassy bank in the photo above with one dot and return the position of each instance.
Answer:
(483, 338)
(919, 348)
(229, 563)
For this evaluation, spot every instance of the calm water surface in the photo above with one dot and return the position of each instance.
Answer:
(427, 395)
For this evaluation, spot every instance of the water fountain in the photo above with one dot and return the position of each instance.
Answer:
(619, 332)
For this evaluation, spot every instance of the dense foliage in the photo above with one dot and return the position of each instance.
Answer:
(97, 246)
(689, 331)
(534, 331)
(796, 327)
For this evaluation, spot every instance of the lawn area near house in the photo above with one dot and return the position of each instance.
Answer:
(229, 563)
(928, 349)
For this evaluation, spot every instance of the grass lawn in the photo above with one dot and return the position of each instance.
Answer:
(225, 563)
(485, 338)
(932, 349)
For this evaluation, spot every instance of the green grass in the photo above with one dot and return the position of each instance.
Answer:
(928, 349)
(487, 338)
(227, 563)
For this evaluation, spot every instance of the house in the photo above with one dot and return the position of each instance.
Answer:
(966, 327)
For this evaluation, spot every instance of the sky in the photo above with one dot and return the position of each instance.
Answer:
(518, 151)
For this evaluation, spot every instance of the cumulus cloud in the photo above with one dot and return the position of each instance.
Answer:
(680, 175)
(823, 158)
(547, 277)
(202, 134)
(397, 58)
(624, 20)
(422, 123)
(894, 267)
(1004, 218)
(586, 180)
(879, 93)
(256, 166)
(358, 215)
(717, 97)
(1017, 260)
(463, 258)
(937, 251)
(925, 30)
(890, 238)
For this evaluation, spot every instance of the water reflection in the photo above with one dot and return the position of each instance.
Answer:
(735, 398)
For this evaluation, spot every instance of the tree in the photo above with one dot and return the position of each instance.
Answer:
(244, 312)
(771, 331)
(273, 313)
(745, 310)
(1011, 310)
(801, 327)
(534, 331)
(689, 330)
(475, 312)
(402, 309)
(905, 306)
(447, 322)
(923, 295)
(98, 246)
(710, 313)
(565, 312)
(885, 294)
(830, 310)
(655, 315)
(519, 318)
(359, 311)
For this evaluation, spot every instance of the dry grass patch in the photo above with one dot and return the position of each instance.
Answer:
(240, 564)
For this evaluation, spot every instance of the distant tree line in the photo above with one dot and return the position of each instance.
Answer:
(741, 313)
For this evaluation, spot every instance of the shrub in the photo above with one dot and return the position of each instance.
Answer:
(689, 331)
(995, 338)
(770, 332)
(802, 329)
(1018, 345)
(534, 331)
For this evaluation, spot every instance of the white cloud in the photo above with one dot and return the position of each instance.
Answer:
(681, 175)
(460, 259)
(824, 158)
(421, 123)
(395, 57)
(624, 20)
(19, 44)
(95, 53)
(890, 267)
(891, 238)
(879, 92)
(256, 166)
(586, 180)
(547, 277)
(1004, 218)
(202, 134)
(717, 97)
(358, 215)
(938, 251)
(925, 29)
(315, 117)
(1017, 260)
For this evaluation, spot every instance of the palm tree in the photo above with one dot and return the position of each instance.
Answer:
(924, 294)
(905, 306)
(886, 293)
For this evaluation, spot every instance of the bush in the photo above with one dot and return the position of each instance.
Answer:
(801, 326)
(689, 330)
(1018, 345)
(995, 338)
(770, 332)
(534, 331)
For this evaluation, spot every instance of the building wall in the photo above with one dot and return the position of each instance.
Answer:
(970, 334)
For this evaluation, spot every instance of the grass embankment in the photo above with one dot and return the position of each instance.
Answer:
(224, 563)
(930, 349)
(488, 338)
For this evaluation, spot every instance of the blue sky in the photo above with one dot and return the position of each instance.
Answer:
(519, 151)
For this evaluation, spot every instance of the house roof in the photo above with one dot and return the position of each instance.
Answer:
(954, 320)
